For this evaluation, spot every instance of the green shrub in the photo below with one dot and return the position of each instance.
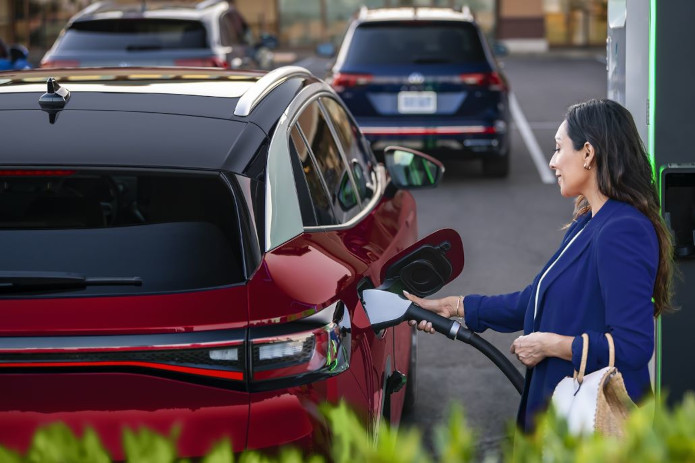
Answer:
(653, 434)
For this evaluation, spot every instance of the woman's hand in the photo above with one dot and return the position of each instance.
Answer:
(448, 307)
(530, 349)
(533, 348)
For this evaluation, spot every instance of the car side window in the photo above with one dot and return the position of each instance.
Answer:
(320, 206)
(330, 163)
(356, 149)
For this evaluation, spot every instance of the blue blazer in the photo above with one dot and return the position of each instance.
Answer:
(602, 283)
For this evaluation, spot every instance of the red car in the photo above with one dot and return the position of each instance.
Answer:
(187, 247)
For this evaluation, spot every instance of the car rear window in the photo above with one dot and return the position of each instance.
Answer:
(415, 42)
(133, 35)
(142, 232)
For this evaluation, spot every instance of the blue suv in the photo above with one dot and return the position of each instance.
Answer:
(425, 78)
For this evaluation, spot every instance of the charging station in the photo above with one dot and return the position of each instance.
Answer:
(650, 61)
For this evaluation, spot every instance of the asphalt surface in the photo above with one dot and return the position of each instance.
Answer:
(510, 228)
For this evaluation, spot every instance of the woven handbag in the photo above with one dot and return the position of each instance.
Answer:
(595, 402)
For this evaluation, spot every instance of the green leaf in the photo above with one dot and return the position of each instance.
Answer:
(147, 446)
(221, 452)
(57, 443)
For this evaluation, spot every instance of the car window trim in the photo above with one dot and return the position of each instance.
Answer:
(303, 190)
(312, 156)
(371, 205)
(380, 170)
(341, 150)
(280, 142)
(362, 143)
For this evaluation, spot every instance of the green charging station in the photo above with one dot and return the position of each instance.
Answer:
(651, 64)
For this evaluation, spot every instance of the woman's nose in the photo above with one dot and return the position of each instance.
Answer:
(551, 164)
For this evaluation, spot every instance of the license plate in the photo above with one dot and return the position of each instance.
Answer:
(417, 102)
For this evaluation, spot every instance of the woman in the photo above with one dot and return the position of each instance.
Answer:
(612, 272)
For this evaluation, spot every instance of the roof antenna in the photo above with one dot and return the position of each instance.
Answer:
(54, 99)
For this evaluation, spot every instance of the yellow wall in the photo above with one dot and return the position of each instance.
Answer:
(260, 14)
(5, 21)
(521, 8)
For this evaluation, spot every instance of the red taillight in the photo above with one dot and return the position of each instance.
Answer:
(292, 358)
(60, 63)
(36, 173)
(208, 62)
(343, 80)
(492, 80)
(221, 360)
(324, 351)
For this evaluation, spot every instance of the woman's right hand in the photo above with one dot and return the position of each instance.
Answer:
(448, 307)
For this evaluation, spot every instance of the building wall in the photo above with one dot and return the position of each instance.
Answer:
(260, 14)
(577, 23)
(522, 25)
(6, 16)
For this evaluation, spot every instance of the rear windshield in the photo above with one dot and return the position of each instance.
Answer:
(133, 35)
(137, 232)
(415, 42)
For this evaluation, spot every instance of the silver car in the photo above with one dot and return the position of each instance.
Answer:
(212, 33)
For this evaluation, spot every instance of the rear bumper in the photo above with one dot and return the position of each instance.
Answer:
(112, 402)
(466, 140)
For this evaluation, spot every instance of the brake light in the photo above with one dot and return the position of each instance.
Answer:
(300, 356)
(221, 361)
(60, 63)
(208, 62)
(492, 80)
(343, 80)
(318, 350)
(36, 173)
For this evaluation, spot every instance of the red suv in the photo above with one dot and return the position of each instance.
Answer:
(188, 247)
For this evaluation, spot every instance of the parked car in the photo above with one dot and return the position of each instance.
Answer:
(425, 78)
(188, 247)
(14, 57)
(210, 33)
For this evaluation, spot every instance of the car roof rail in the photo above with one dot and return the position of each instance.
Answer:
(208, 3)
(466, 11)
(96, 6)
(362, 12)
(265, 85)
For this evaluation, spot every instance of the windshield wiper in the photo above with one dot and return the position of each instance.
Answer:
(23, 281)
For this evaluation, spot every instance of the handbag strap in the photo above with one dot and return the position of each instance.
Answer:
(579, 376)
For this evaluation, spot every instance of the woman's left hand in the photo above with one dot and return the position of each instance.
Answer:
(530, 349)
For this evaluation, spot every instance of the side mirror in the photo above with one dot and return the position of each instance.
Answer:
(500, 49)
(412, 169)
(426, 266)
(325, 50)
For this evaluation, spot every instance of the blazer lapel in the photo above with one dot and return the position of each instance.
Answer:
(572, 252)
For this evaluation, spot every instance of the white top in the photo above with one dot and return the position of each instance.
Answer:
(538, 287)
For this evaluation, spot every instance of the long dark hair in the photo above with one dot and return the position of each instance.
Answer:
(624, 173)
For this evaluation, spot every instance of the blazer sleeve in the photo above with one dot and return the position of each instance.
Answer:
(627, 259)
(504, 313)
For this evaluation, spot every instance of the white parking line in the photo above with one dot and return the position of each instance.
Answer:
(539, 159)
